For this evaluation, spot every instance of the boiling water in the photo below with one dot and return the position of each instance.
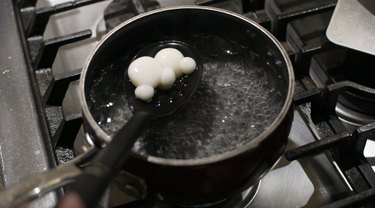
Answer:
(239, 96)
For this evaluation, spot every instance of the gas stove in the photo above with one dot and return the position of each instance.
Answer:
(331, 146)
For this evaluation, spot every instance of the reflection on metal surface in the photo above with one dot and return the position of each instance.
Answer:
(370, 152)
(278, 184)
(309, 182)
(71, 104)
(23, 134)
(39, 185)
(353, 25)
(72, 56)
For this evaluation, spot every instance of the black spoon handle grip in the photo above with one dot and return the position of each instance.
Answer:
(109, 161)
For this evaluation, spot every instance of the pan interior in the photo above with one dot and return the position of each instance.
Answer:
(242, 91)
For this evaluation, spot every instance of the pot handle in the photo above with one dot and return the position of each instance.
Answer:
(45, 182)
(108, 162)
(39, 185)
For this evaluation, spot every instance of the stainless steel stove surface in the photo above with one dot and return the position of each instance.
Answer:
(331, 145)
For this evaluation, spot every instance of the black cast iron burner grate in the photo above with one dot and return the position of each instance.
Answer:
(42, 53)
(288, 20)
(346, 150)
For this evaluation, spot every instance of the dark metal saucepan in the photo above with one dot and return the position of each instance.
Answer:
(187, 181)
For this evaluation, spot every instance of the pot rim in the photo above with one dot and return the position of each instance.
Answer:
(104, 137)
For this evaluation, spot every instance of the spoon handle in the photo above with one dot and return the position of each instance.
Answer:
(109, 161)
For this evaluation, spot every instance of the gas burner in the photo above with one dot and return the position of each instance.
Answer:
(356, 103)
(352, 119)
(357, 107)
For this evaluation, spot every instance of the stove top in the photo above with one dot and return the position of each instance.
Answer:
(331, 146)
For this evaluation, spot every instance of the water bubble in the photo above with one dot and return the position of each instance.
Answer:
(244, 47)
(234, 103)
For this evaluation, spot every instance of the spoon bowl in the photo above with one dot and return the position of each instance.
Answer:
(165, 102)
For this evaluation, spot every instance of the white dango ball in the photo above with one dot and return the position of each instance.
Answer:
(146, 73)
(144, 92)
(170, 57)
(187, 65)
(144, 70)
(167, 78)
